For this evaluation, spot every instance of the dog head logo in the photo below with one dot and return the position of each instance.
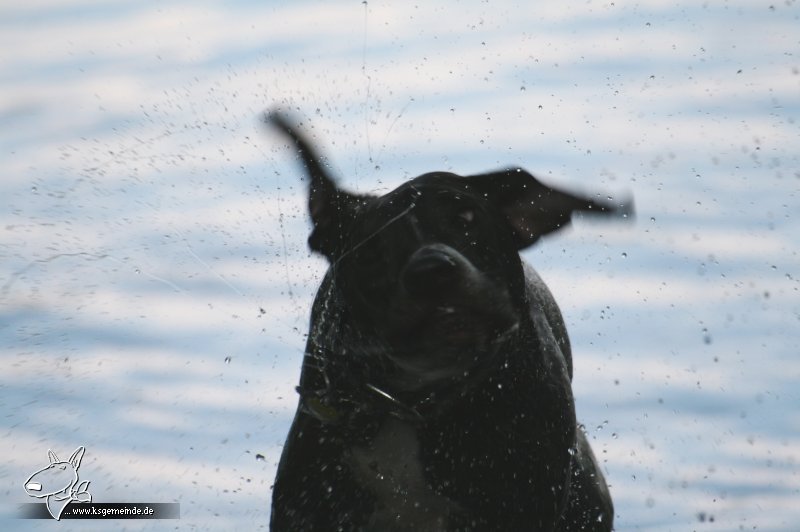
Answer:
(58, 484)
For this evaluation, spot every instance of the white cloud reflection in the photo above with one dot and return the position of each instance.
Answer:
(151, 230)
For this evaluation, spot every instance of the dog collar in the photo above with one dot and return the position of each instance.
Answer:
(346, 397)
(336, 409)
(368, 401)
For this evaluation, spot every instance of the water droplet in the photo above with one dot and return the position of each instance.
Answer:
(260, 458)
(624, 255)
(228, 359)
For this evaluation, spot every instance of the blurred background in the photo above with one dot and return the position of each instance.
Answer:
(155, 282)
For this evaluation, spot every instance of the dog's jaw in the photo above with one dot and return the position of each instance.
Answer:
(449, 351)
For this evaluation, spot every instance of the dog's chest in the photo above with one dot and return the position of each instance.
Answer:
(390, 467)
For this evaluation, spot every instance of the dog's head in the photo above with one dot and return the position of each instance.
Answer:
(430, 272)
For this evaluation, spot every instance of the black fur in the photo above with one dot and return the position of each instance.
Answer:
(436, 391)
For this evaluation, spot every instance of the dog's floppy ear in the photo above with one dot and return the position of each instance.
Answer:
(534, 209)
(331, 209)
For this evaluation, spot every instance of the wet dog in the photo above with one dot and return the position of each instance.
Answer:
(435, 392)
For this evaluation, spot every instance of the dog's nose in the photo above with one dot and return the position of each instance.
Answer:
(430, 272)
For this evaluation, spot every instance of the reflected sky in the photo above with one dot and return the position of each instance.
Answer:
(155, 282)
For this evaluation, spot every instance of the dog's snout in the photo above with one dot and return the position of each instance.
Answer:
(430, 271)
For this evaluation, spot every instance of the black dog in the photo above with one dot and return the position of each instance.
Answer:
(436, 392)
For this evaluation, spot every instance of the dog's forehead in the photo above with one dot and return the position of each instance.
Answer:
(427, 197)
(433, 186)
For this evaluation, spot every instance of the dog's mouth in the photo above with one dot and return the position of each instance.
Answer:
(450, 336)
(452, 326)
(459, 326)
